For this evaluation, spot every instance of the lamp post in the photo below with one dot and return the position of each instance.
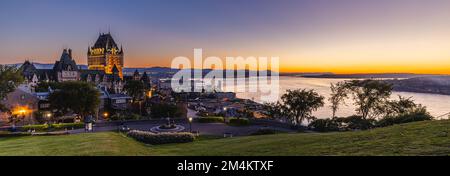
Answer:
(22, 113)
(225, 113)
(49, 116)
(190, 124)
(105, 115)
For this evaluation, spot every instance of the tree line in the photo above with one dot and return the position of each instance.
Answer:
(372, 99)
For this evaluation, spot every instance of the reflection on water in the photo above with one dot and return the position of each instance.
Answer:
(436, 104)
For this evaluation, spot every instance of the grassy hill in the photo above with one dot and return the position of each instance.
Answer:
(421, 138)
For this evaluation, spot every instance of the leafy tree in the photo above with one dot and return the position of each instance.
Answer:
(298, 105)
(397, 107)
(403, 110)
(368, 94)
(134, 89)
(338, 95)
(355, 123)
(43, 86)
(164, 110)
(324, 125)
(10, 78)
(74, 96)
(124, 115)
(419, 113)
(274, 110)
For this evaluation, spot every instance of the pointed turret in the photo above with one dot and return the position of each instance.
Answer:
(70, 53)
(66, 62)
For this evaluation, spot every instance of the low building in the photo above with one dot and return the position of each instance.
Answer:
(112, 82)
(119, 101)
(21, 103)
(66, 69)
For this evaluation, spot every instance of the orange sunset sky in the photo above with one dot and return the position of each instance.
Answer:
(342, 36)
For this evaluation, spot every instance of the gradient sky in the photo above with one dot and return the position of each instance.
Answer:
(341, 36)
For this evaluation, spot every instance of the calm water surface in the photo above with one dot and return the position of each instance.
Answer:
(436, 104)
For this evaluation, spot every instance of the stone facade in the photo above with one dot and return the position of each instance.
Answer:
(64, 69)
(105, 55)
(20, 99)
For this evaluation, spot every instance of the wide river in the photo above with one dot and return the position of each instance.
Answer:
(437, 105)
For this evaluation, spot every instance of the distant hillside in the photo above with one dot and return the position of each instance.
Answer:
(153, 71)
(127, 70)
(44, 66)
(305, 74)
(130, 70)
(425, 84)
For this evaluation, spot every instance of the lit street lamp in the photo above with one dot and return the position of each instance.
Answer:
(19, 112)
(22, 112)
(225, 113)
(190, 124)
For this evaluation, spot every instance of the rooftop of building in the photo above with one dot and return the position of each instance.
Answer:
(105, 41)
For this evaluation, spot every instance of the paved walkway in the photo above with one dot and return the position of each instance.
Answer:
(217, 129)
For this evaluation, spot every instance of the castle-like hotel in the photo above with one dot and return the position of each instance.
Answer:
(105, 71)
(106, 56)
(105, 67)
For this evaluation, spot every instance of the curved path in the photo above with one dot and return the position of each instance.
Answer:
(217, 129)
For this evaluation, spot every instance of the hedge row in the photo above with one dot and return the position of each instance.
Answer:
(160, 138)
(43, 127)
(47, 127)
(210, 120)
(62, 126)
(239, 122)
(19, 134)
(415, 116)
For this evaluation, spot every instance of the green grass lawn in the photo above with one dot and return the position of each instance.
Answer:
(108, 143)
(421, 138)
